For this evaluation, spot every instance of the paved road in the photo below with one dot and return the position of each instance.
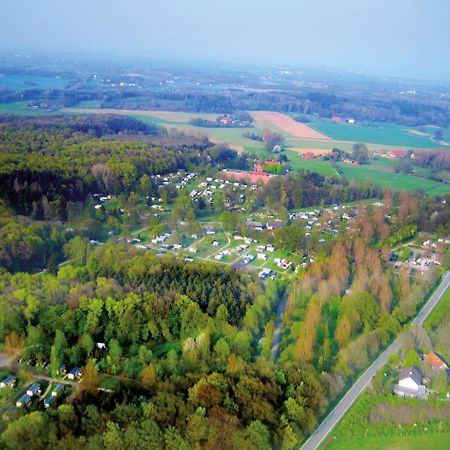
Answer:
(355, 391)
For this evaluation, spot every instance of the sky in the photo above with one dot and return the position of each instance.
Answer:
(386, 36)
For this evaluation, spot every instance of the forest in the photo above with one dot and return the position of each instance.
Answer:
(180, 359)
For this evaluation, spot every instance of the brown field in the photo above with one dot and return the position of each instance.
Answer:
(316, 151)
(285, 123)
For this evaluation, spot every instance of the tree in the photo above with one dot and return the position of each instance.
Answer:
(360, 153)
(303, 351)
(30, 431)
(13, 345)
(229, 221)
(271, 139)
(77, 250)
(149, 377)
(90, 380)
(411, 359)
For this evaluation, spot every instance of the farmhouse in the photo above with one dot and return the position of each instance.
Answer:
(410, 383)
(435, 361)
(397, 154)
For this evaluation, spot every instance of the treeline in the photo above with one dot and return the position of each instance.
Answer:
(181, 355)
(432, 159)
(393, 110)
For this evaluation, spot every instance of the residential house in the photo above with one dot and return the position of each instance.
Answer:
(8, 382)
(410, 383)
(74, 373)
(34, 389)
(48, 401)
(23, 401)
(274, 225)
(58, 388)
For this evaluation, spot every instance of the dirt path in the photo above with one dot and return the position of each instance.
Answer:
(278, 324)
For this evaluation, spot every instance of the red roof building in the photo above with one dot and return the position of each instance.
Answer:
(309, 155)
(434, 361)
(398, 153)
(336, 119)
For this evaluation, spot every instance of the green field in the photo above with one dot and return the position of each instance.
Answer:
(19, 108)
(375, 133)
(379, 173)
(431, 441)
(24, 82)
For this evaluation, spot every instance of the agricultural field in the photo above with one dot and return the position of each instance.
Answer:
(286, 124)
(375, 133)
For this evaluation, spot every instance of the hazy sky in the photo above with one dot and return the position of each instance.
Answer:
(391, 36)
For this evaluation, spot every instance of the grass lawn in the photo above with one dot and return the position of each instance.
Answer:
(314, 165)
(432, 441)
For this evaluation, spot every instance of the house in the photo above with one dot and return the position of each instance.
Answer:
(34, 389)
(48, 401)
(435, 361)
(336, 119)
(252, 224)
(58, 388)
(23, 401)
(74, 373)
(351, 121)
(225, 120)
(8, 382)
(410, 383)
(262, 256)
(277, 148)
(274, 225)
